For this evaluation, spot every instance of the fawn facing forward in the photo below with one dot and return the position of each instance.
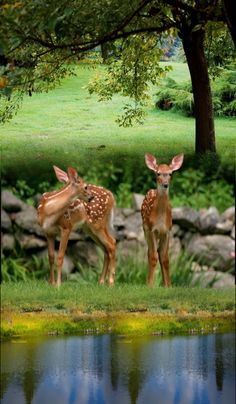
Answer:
(157, 217)
(94, 215)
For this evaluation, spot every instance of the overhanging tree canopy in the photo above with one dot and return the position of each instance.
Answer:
(38, 39)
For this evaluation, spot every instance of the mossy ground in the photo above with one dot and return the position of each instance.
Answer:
(35, 308)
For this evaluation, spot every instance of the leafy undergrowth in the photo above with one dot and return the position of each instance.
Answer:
(35, 308)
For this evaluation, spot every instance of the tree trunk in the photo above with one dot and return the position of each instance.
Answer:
(193, 43)
(105, 52)
(230, 14)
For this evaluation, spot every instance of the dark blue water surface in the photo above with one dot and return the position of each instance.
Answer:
(114, 370)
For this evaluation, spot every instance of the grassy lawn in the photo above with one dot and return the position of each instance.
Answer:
(68, 126)
(35, 307)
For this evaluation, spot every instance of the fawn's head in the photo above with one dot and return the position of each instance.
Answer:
(163, 171)
(78, 185)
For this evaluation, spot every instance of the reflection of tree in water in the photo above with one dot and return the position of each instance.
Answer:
(204, 348)
(114, 363)
(4, 381)
(219, 362)
(27, 376)
(128, 354)
(135, 375)
(30, 378)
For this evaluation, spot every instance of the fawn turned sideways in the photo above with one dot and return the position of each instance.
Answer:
(78, 204)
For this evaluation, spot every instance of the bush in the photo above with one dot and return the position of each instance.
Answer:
(179, 96)
(224, 94)
(192, 188)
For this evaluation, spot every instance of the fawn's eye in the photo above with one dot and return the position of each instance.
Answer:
(158, 174)
(86, 187)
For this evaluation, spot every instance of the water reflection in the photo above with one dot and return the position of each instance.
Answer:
(108, 369)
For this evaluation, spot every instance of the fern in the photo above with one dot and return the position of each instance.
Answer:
(179, 97)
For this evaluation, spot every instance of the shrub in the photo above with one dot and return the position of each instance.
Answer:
(193, 188)
(179, 96)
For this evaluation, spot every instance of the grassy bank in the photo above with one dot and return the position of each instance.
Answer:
(34, 308)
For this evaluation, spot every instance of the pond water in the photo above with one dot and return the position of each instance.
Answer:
(109, 369)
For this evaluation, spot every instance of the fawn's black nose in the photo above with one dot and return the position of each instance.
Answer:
(165, 186)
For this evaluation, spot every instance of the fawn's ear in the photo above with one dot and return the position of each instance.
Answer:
(177, 162)
(61, 175)
(72, 174)
(151, 162)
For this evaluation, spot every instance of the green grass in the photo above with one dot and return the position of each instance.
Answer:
(35, 308)
(88, 297)
(68, 126)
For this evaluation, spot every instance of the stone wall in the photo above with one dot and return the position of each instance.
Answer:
(206, 235)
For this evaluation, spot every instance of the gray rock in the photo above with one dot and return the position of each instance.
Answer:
(224, 281)
(137, 200)
(67, 266)
(131, 235)
(85, 252)
(204, 279)
(229, 214)
(132, 249)
(175, 248)
(186, 217)
(10, 202)
(28, 220)
(213, 250)
(215, 279)
(5, 221)
(176, 230)
(196, 267)
(76, 236)
(8, 242)
(118, 221)
(30, 242)
(233, 232)
(119, 224)
(187, 238)
(208, 219)
(134, 222)
(127, 212)
(134, 228)
(224, 227)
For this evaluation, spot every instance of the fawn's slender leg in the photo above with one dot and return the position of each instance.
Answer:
(164, 260)
(111, 257)
(100, 243)
(108, 244)
(61, 253)
(104, 269)
(152, 257)
(51, 256)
